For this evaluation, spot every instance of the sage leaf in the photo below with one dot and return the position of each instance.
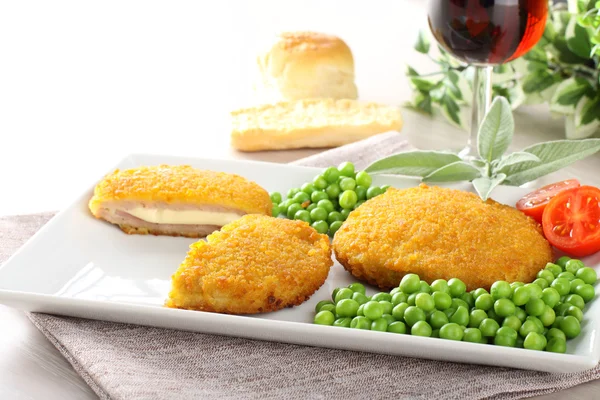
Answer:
(412, 163)
(590, 110)
(484, 185)
(422, 45)
(516, 158)
(571, 90)
(578, 39)
(457, 171)
(496, 130)
(553, 156)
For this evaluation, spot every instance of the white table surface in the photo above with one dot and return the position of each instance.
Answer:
(82, 84)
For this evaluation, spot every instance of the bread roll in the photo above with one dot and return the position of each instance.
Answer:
(313, 123)
(304, 65)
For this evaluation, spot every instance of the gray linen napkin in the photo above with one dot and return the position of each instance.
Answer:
(121, 361)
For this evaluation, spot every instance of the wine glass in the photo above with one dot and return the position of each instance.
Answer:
(485, 33)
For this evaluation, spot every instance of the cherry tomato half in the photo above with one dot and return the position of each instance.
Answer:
(571, 221)
(534, 203)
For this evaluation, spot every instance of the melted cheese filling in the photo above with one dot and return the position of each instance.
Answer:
(183, 217)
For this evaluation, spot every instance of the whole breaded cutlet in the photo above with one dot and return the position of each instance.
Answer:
(255, 264)
(440, 233)
(176, 200)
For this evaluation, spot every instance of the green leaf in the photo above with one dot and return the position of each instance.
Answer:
(412, 163)
(422, 84)
(553, 156)
(578, 39)
(422, 102)
(538, 81)
(565, 55)
(591, 110)
(422, 45)
(496, 130)
(410, 71)
(570, 91)
(457, 171)
(484, 185)
(516, 158)
(450, 109)
(451, 83)
(574, 131)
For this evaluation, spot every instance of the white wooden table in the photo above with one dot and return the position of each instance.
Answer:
(84, 83)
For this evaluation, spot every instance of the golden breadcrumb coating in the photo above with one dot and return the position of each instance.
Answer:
(182, 184)
(440, 233)
(255, 264)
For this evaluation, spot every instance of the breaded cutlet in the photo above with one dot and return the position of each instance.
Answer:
(440, 233)
(253, 265)
(176, 200)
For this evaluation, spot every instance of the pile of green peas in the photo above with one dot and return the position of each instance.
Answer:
(327, 201)
(541, 315)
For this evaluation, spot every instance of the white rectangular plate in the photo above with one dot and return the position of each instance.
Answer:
(83, 267)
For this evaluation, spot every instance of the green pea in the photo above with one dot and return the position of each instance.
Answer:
(440, 285)
(421, 328)
(347, 184)
(451, 331)
(325, 204)
(484, 302)
(410, 283)
(348, 199)
(413, 314)
(468, 298)
(548, 316)
(363, 179)
(556, 345)
(301, 197)
(387, 306)
(373, 310)
(573, 266)
(292, 192)
(395, 290)
(343, 293)
(283, 208)
(535, 307)
(361, 193)
(275, 197)
(586, 292)
(567, 275)
(357, 287)
(541, 283)
(333, 191)
(361, 309)
(501, 290)
(547, 275)
(321, 304)
(334, 216)
(550, 296)
(424, 287)
(576, 282)
(519, 342)
(328, 307)
(334, 226)
(360, 298)
(345, 213)
(504, 307)
(311, 207)
(527, 327)
(489, 327)
(319, 182)
(442, 300)
(360, 323)
(303, 215)
(492, 314)
(562, 286)
(397, 327)
(555, 333)
(575, 312)
(346, 169)
(521, 296)
(562, 262)
(449, 312)
(535, 292)
(399, 310)
(521, 314)
(389, 318)
(472, 335)
(373, 191)
(343, 322)
(575, 300)
(460, 316)
(457, 287)
(346, 308)
(318, 195)
(293, 209)
(324, 318)
(331, 174)
(380, 325)
(435, 333)
(535, 341)
(381, 296)
(476, 317)
(478, 292)
(562, 308)
(507, 331)
(555, 269)
(412, 299)
(557, 321)
(425, 302)
(307, 188)
(320, 226)
(437, 319)
(512, 322)
(275, 210)
(587, 274)
(399, 297)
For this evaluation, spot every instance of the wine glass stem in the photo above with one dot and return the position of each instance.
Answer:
(482, 99)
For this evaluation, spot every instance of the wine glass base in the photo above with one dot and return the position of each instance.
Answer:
(467, 154)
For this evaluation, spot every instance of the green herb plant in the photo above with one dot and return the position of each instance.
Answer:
(492, 167)
(562, 70)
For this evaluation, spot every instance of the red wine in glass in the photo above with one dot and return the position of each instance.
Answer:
(485, 33)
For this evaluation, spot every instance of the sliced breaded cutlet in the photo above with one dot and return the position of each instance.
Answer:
(176, 200)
